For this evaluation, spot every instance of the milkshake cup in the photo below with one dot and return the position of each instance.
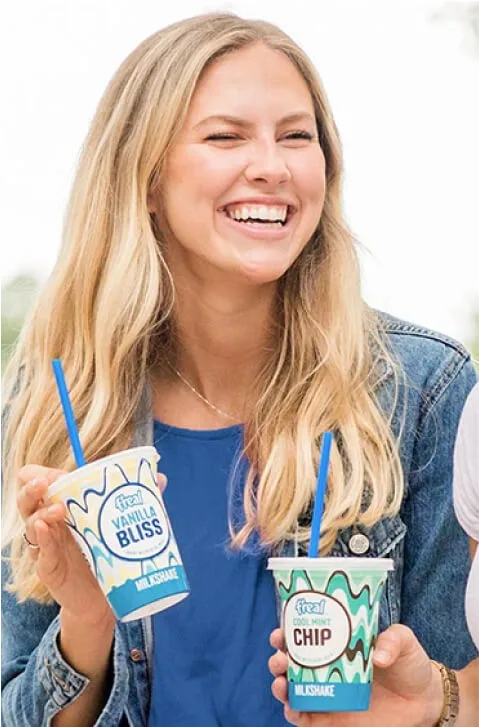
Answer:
(330, 610)
(116, 513)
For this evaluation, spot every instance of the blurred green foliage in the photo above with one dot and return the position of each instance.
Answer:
(18, 296)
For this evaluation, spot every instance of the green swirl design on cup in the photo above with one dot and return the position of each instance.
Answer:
(360, 594)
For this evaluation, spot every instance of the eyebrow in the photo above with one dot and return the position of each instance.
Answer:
(237, 121)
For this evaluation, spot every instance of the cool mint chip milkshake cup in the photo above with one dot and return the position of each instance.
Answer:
(116, 513)
(330, 610)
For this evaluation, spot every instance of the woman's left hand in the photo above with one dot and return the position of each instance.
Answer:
(407, 688)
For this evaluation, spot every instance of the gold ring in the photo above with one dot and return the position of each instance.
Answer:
(30, 545)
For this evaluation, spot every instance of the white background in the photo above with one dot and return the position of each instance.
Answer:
(403, 87)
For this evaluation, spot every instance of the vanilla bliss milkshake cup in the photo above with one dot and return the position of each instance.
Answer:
(330, 610)
(116, 513)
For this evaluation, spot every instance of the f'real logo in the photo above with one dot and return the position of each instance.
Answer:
(317, 607)
(317, 629)
(125, 502)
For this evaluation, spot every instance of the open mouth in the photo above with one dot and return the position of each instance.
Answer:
(260, 216)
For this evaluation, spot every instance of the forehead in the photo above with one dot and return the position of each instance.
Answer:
(250, 82)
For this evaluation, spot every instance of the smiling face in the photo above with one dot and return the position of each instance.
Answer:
(244, 183)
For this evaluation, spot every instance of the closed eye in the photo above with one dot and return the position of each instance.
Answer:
(299, 135)
(222, 137)
(293, 135)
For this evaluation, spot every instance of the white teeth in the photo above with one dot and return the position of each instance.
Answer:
(270, 213)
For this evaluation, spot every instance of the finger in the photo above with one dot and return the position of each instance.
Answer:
(396, 641)
(386, 651)
(279, 688)
(162, 481)
(292, 716)
(31, 471)
(277, 640)
(33, 550)
(278, 663)
(48, 550)
(31, 495)
(35, 488)
(38, 526)
(50, 515)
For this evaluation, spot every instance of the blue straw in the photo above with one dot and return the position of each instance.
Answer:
(327, 440)
(68, 412)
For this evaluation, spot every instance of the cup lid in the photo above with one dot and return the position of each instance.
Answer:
(301, 563)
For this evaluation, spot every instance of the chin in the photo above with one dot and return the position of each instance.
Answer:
(264, 269)
(263, 274)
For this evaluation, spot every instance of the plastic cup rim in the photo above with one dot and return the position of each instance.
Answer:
(64, 480)
(353, 563)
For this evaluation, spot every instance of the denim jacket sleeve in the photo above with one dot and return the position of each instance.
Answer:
(36, 680)
(436, 560)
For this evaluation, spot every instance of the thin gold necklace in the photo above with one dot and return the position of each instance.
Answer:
(203, 398)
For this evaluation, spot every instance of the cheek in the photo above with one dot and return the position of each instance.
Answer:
(202, 174)
(310, 178)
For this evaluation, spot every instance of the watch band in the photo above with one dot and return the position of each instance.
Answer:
(450, 688)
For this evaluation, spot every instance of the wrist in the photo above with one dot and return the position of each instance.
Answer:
(435, 701)
(450, 692)
(102, 623)
(87, 646)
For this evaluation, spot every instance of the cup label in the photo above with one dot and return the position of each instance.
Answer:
(117, 516)
(317, 628)
(132, 523)
(330, 655)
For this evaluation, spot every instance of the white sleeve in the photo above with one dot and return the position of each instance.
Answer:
(466, 467)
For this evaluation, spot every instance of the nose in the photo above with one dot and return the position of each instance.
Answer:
(267, 166)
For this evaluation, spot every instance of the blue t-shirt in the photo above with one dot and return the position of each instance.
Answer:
(210, 665)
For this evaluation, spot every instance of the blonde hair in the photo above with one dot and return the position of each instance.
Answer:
(111, 293)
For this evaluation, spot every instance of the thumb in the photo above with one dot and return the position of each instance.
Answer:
(396, 641)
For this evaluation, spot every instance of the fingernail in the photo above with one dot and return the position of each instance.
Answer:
(36, 483)
(382, 656)
(53, 509)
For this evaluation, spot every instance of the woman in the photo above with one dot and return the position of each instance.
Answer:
(408, 690)
(207, 298)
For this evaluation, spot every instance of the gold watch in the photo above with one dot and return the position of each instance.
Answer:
(450, 688)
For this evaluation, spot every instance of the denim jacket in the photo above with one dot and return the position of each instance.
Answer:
(430, 551)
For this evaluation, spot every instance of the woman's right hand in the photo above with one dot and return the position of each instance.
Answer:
(60, 564)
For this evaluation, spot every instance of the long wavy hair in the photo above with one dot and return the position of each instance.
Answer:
(111, 293)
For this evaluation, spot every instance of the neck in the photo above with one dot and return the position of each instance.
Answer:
(222, 338)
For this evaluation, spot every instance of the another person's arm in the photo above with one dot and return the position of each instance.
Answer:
(468, 679)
